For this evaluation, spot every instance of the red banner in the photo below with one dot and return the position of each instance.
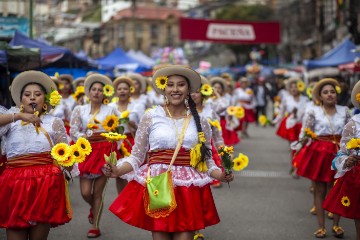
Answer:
(229, 31)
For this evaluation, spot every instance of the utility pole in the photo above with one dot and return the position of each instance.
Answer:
(31, 18)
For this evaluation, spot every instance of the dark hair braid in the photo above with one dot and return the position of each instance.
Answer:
(205, 152)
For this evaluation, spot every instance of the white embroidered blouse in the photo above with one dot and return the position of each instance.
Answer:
(209, 113)
(351, 130)
(61, 111)
(20, 140)
(245, 97)
(81, 117)
(157, 131)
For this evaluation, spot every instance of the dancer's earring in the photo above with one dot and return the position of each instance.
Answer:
(45, 107)
(21, 108)
(166, 100)
(186, 101)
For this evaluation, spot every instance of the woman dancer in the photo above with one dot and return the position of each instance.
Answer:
(344, 197)
(83, 121)
(314, 160)
(160, 131)
(33, 189)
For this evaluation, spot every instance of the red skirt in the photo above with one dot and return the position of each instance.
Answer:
(250, 116)
(129, 142)
(291, 134)
(314, 161)
(95, 161)
(217, 160)
(230, 136)
(35, 194)
(195, 209)
(344, 198)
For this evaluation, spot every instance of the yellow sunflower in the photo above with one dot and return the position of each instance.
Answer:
(125, 114)
(215, 124)
(106, 101)
(249, 91)
(241, 162)
(61, 152)
(239, 112)
(352, 144)
(263, 120)
(229, 149)
(358, 97)
(277, 99)
(80, 91)
(113, 136)
(345, 201)
(231, 110)
(124, 150)
(61, 86)
(67, 163)
(108, 90)
(338, 89)
(132, 89)
(114, 99)
(161, 82)
(148, 88)
(300, 86)
(110, 123)
(54, 98)
(76, 154)
(84, 145)
(309, 92)
(206, 90)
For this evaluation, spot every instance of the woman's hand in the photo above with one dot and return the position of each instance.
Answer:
(27, 117)
(222, 176)
(110, 170)
(351, 161)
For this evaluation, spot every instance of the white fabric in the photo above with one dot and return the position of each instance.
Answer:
(136, 111)
(209, 113)
(351, 130)
(247, 100)
(69, 102)
(156, 131)
(61, 111)
(21, 140)
(81, 117)
(287, 106)
(143, 99)
(219, 105)
(260, 95)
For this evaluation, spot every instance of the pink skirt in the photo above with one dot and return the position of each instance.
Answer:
(195, 209)
(314, 161)
(344, 198)
(291, 134)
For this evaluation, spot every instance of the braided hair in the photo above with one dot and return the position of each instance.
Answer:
(205, 151)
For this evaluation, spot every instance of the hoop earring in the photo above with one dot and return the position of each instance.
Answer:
(45, 107)
(166, 100)
(21, 108)
(186, 102)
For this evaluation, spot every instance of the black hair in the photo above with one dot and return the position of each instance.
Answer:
(94, 83)
(221, 84)
(321, 88)
(205, 151)
(32, 83)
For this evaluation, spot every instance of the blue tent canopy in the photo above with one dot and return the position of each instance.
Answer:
(118, 58)
(341, 54)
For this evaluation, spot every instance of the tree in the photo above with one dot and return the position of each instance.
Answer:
(244, 13)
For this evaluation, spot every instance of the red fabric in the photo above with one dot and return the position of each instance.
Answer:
(314, 161)
(217, 160)
(95, 161)
(195, 209)
(35, 193)
(250, 116)
(291, 134)
(346, 186)
(130, 140)
(2, 163)
(230, 137)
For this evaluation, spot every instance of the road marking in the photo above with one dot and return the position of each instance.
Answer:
(262, 174)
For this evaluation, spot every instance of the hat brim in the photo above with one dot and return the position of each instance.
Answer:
(66, 77)
(140, 79)
(291, 81)
(123, 79)
(219, 80)
(77, 81)
(204, 80)
(354, 92)
(167, 71)
(27, 77)
(321, 83)
(95, 77)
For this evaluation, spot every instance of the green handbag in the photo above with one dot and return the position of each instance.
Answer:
(159, 196)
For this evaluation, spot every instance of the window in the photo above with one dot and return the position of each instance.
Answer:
(154, 31)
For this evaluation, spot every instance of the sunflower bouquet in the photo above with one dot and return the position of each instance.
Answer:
(236, 111)
(353, 144)
(308, 135)
(263, 120)
(67, 155)
(112, 137)
(225, 154)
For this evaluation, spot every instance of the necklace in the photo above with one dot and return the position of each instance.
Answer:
(173, 121)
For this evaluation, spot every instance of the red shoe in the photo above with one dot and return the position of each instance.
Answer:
(93, 233)
(91, 216)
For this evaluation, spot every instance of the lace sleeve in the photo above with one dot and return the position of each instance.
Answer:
(4, 129)
(216, 133)
(67, 113)
(141, 145)
(338, 162)
(281, 113)
(208, 133)
(60, 132)
(308, 122)
(76, 124)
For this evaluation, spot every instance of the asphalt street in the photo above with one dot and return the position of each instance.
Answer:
(263, 202)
